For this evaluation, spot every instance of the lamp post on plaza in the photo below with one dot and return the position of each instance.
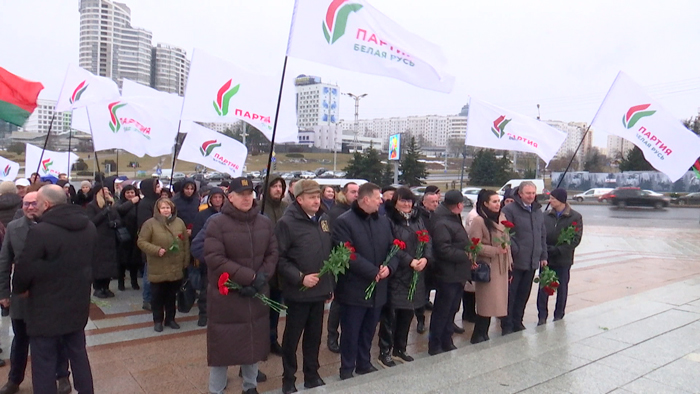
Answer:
(357, 99)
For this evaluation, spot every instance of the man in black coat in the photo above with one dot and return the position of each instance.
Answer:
(452, 270)
(343, 201)
(529, 249)
(370, 234)
(560, 257)
(216, 200)
(56, 274)
(304, 242)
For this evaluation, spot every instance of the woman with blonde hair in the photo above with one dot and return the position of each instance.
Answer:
(164, 241)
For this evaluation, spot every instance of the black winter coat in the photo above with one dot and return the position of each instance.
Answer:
(449, 242)
(56, 269)
(128, 254)
(562, 255)
(303, 244)
(187, 207)
(106, 221)
(9, 204)
(147, 203)
(400, 282)
(336, 210)
(371, 236)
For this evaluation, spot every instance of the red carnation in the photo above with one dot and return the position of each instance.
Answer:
(348, 245)
(574, 223)
(476, 240)
(189, 227)
(223, 279)
(353, 256)
(223, 290)
(472, 247)
(507, 224)
(554, 285)
(401, 245)
(576, 229)
(182, 237)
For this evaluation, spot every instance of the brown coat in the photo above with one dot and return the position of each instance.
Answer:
(241, 244)
(492, 297)
(159, 232)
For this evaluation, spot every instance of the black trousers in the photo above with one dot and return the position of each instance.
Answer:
(101, 284)
(448, 296)
(302, 318)
(394, 325)
(564, 273)
(334, 321)
(203, 284)
(45, 354)
(20, 352)
(275, 295)
(518, 294)
(358, 326)
(163, 296)
(133, 272)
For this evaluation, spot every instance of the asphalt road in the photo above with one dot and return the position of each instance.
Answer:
(605, 215)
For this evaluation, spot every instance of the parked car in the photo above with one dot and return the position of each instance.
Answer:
(653, 193)
(255, 174)
(418, 191)
(340, 174)
(692, 198)
(472, 193)
(623, 197)
(287, 176)
(307, 175)
(591, 194)
(320, 171)
(178, 176)
(327, 175)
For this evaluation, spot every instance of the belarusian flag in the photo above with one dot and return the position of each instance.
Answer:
(17, 97)
(696, 168)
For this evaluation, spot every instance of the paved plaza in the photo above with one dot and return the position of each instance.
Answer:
(632, 326)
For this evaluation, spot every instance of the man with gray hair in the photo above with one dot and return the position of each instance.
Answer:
(529, 249)
(55, 274)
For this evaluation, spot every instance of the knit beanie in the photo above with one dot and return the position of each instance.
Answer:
(559, 194)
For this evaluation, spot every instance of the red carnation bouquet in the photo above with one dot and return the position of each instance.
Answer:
(338, 262)
(548, 280)
(568, 234)
(397, 245)
(505, 241)
(226, 284)
(473, 250)
(423, 239)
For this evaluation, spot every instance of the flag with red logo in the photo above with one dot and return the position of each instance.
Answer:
(17, 97)
(82, 88)
(629, 112)
(353, 35)
(213, 150)
(136, 124)
(493, 127)
(221, 92)
(8, 169)
(50, 164)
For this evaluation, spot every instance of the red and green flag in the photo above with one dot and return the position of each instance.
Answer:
(17, 97)
(696, 168)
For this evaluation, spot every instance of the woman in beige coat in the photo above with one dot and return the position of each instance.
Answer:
(166, 244)
(491, 297)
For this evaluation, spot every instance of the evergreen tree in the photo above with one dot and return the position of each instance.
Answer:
(635, 161)
(488, 170)
(387, 175)
(368, 166)
(412, 171)
(355, 166)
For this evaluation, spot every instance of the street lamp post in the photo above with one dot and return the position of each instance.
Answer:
(357, 114)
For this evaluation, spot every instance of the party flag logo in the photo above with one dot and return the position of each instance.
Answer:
(6, 172)
(208, 147)
(337, 19)
(634, 114)
(78, 92)
(45, 164)
(223, 97)
(499, 126)
(114, 122)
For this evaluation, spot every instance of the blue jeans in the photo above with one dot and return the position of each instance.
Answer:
(146, 285)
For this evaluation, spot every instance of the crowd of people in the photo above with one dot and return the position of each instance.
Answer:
(271, 243)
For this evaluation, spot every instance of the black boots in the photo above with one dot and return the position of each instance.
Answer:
(481, 329)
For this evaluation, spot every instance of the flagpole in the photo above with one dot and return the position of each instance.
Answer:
(97, 161)
(175, 152)
(46, 141)
(274, 133)
(70, 134)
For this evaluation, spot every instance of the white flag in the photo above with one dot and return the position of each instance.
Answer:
(137, 127)
(52, 163)
(493, 127)
(218, 91)
(9, 169)
(213, 150)
(353, 35)
(629, 112)
(81, 88)
(168, 104)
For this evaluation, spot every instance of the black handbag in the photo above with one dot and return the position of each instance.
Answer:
(185, 297)
(482, 272)
(123, 235)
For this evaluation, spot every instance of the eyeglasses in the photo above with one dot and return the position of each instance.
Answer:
(29, 204)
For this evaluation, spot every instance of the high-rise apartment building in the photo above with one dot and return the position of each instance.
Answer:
(617, 146)
(574, 134)
(170, 68)
(317, 102)
(110, 46)
(40, 119)
(431, 130)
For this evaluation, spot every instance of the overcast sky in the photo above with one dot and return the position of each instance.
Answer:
(561, 54)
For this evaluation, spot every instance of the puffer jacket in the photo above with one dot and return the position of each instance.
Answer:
(400, 282)
(242, 244)
(562, 255)
(161, 232)
(449, 242)
(9, 204)
(304, 244)
(529, 240)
